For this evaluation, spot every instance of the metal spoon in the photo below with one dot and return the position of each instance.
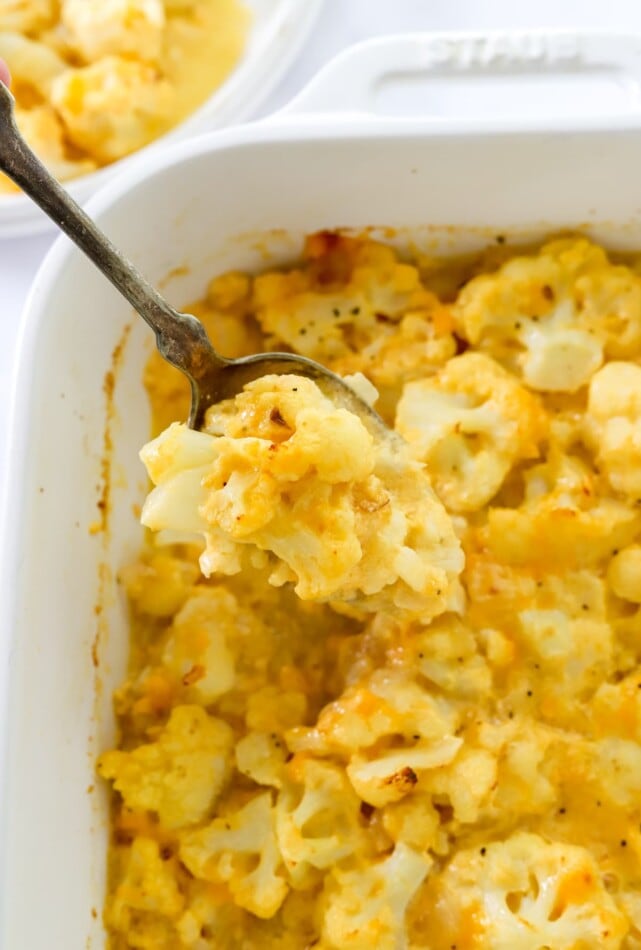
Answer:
(180, 337)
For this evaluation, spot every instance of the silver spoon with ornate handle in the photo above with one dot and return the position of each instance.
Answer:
(180, 337)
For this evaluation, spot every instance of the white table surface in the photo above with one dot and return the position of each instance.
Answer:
(342, 22)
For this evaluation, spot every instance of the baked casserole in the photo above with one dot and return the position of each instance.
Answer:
(322, 749)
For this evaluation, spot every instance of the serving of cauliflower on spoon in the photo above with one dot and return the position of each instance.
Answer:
(282, 478)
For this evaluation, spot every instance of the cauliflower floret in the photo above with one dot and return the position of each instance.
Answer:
(377, 712)
(159, 584)
(470, 423)
(366, 908)
(630, 903)
(201, 918)
(181, 774)
(524, 753)
(208, 914)
(527, 892)
(391, 775)
(560, 640)
(616, 708)
(32, 64)
(564, 520)
(197, 650)
(565, 308)
(624, 574)
(282, 470)
(97, 28)
(43, 131)
(241, 851)
(275, 709)
(112, 107)
(366, 726)
(613, 425)
(317, 818)
(579, 651)
(467, 783)
(261, 757)
(355, 307)
(350, 294)
(498, 592)
(147, 899)
(616, 765)
(415, 821)
(26, 16)
(116, 74)
(447, 654)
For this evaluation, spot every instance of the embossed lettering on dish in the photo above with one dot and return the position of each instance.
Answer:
(501, 49)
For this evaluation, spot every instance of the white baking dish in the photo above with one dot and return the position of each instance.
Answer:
(554, 143)
(278, 31)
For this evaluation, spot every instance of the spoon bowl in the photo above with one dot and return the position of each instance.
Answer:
(180, 337)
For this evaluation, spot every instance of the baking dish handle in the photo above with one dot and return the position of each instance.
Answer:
(479, 76)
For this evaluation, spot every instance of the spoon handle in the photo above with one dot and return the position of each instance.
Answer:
(180, 338)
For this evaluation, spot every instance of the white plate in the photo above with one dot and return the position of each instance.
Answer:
(278, 31)
(243, 197)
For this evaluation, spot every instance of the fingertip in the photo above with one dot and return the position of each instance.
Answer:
(5, 75)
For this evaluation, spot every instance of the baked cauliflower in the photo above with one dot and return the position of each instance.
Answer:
(196, 649)
(159, 585)
(284, 478)
(111, 107)
(44, 133)
(446, 653)
(148, 891)
(356, 307)
(376, 764)
(112, 75)
(98, 28)
(389, 731)
(374, 713)
(26, 16)
(527, 892)
(470, 423)
(318, 819)
(613, 425)
(32, 64)
(552, 317)
(564, 519)
(366, 908)
(241, 851)
(624, 573)
(180, 774)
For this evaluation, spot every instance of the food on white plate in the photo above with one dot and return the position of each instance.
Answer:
(95, 80)
(294, 772)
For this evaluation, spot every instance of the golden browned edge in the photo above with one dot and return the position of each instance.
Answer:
(102, 527)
